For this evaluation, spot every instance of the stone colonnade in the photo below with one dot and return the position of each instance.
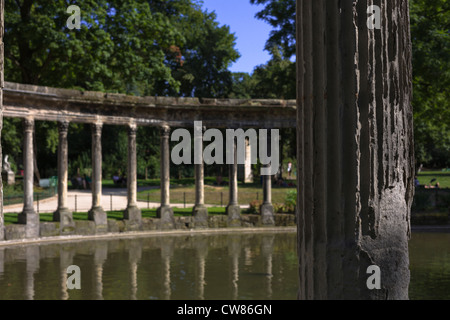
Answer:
(30, 218)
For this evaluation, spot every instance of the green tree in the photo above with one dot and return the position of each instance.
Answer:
(153, 47)
(276, 79)
(430, 29)
(202, 62)
(430, 25)
(280, 14)
(120, 44)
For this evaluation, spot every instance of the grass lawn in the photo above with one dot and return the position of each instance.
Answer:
(215, 195)
(11, 218)
(442, 177)
(14, 194)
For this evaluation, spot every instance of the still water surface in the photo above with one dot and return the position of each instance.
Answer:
(261, 266)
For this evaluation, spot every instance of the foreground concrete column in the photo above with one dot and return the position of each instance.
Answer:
(132, 213)
(2, 221)
(233, 209)
(355, 149)
(97, 214)
(267, 212)
(200, 212)
(165, 212)
(29, 217)
(63, 214)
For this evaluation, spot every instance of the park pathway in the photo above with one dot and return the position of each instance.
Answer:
(81, 201)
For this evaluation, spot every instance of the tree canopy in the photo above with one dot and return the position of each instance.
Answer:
(127, 46)
(151, 47)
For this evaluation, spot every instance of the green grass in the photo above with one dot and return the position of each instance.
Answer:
(443, 178)
(14, 194)
(215, 195)
(11, 218)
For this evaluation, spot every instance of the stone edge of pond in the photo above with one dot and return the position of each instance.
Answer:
(143, 234)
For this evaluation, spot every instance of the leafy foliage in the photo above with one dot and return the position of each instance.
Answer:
(152, 47)
(430, 23)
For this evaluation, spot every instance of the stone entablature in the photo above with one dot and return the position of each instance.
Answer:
(53, 104)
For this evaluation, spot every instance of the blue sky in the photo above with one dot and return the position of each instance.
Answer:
(250, 32)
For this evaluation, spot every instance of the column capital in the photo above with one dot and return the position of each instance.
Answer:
(165, 131)
(28, 124)
(132, 129)
(96, 128)
(63, 126)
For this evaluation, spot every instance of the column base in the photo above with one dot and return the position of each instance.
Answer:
(98, 215)
(200, 213)
(65, 218)
(30, 219)
(134, 216)
(267, 215)
(165, 213)
(234, 215)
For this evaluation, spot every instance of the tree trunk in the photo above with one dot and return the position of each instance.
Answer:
(355, 149)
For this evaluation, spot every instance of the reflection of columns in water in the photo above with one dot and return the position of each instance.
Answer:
(267, 255)
(32, 256)
(135, 254)
(167, 246)
(201, 247)
(234, 250)
(66, 260)
(100, 256)
(133, 273)
(2, 259)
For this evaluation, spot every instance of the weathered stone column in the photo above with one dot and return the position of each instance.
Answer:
(97, 214)
(165, 212)
(200, 212)
(267, 217)
(132, 213)
(2, 84)
(29, 217)
(63, 214)
(355, 149)
(233, 209)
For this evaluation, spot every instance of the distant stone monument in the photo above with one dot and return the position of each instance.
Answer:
(7, 174)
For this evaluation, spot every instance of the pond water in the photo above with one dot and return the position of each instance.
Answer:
(260, 266)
